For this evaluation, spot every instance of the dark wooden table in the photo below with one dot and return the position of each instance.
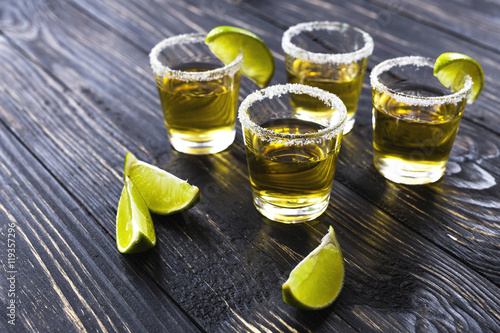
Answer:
(77, 94)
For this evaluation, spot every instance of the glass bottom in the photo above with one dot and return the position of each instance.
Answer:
(218, 144)
(290, 215)
(407, 172)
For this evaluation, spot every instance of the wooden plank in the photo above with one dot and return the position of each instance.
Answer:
(215, 240)
(404, 272)
(474, 21)
(385, 265)
(67, 274)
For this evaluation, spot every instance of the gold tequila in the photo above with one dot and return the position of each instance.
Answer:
(409, 140)
(199, 111)
(344, 80)
(291, 176)
(291, 157)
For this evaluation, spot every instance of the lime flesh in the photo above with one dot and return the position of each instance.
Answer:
(134, 227)
(163, 192)
(317, 280)
(227, 42)
(451, 69)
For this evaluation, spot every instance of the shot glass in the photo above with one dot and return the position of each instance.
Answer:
(198, 94)
(331, 56)
(415, 119)
(291, 157)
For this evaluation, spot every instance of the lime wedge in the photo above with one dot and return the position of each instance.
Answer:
(134, 227)
(318, 279)
(450, 68)
(227, 42)
(163, 192)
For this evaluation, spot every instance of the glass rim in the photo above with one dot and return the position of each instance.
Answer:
(163, 71)
(323, 58)
(278, 90)
(408, 99)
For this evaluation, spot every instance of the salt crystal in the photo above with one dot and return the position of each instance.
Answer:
(323, 58)
(163, 71)
(416, 100)
(335, 126)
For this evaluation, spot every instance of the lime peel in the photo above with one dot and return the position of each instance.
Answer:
(227, 42)
(317, 280)
(452, 68)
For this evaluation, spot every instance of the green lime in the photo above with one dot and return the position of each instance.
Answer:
(134, 227)
(450, 68)
(258, 62)
(318, 279)
(163, 192)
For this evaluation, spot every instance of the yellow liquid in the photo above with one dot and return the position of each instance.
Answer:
(413, 141)
(343, 80)
(199, 111)
(291, 176)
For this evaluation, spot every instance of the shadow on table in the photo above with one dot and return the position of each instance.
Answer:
(385, 260)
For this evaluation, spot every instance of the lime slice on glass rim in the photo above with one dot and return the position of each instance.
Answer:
(450, 68)
(318, 279)
(163, 192)
(134, 227)
(227, 42)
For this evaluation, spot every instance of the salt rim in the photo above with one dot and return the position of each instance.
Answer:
(416, 100)
(289, 139)
(162, 71)
(323, 58)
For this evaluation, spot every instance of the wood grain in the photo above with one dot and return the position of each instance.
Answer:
(69, 276)
(474, 21)
(416, 258)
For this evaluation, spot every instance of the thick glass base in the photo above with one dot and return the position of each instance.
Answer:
(203, 147)
(407, 172)
(290, 215)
